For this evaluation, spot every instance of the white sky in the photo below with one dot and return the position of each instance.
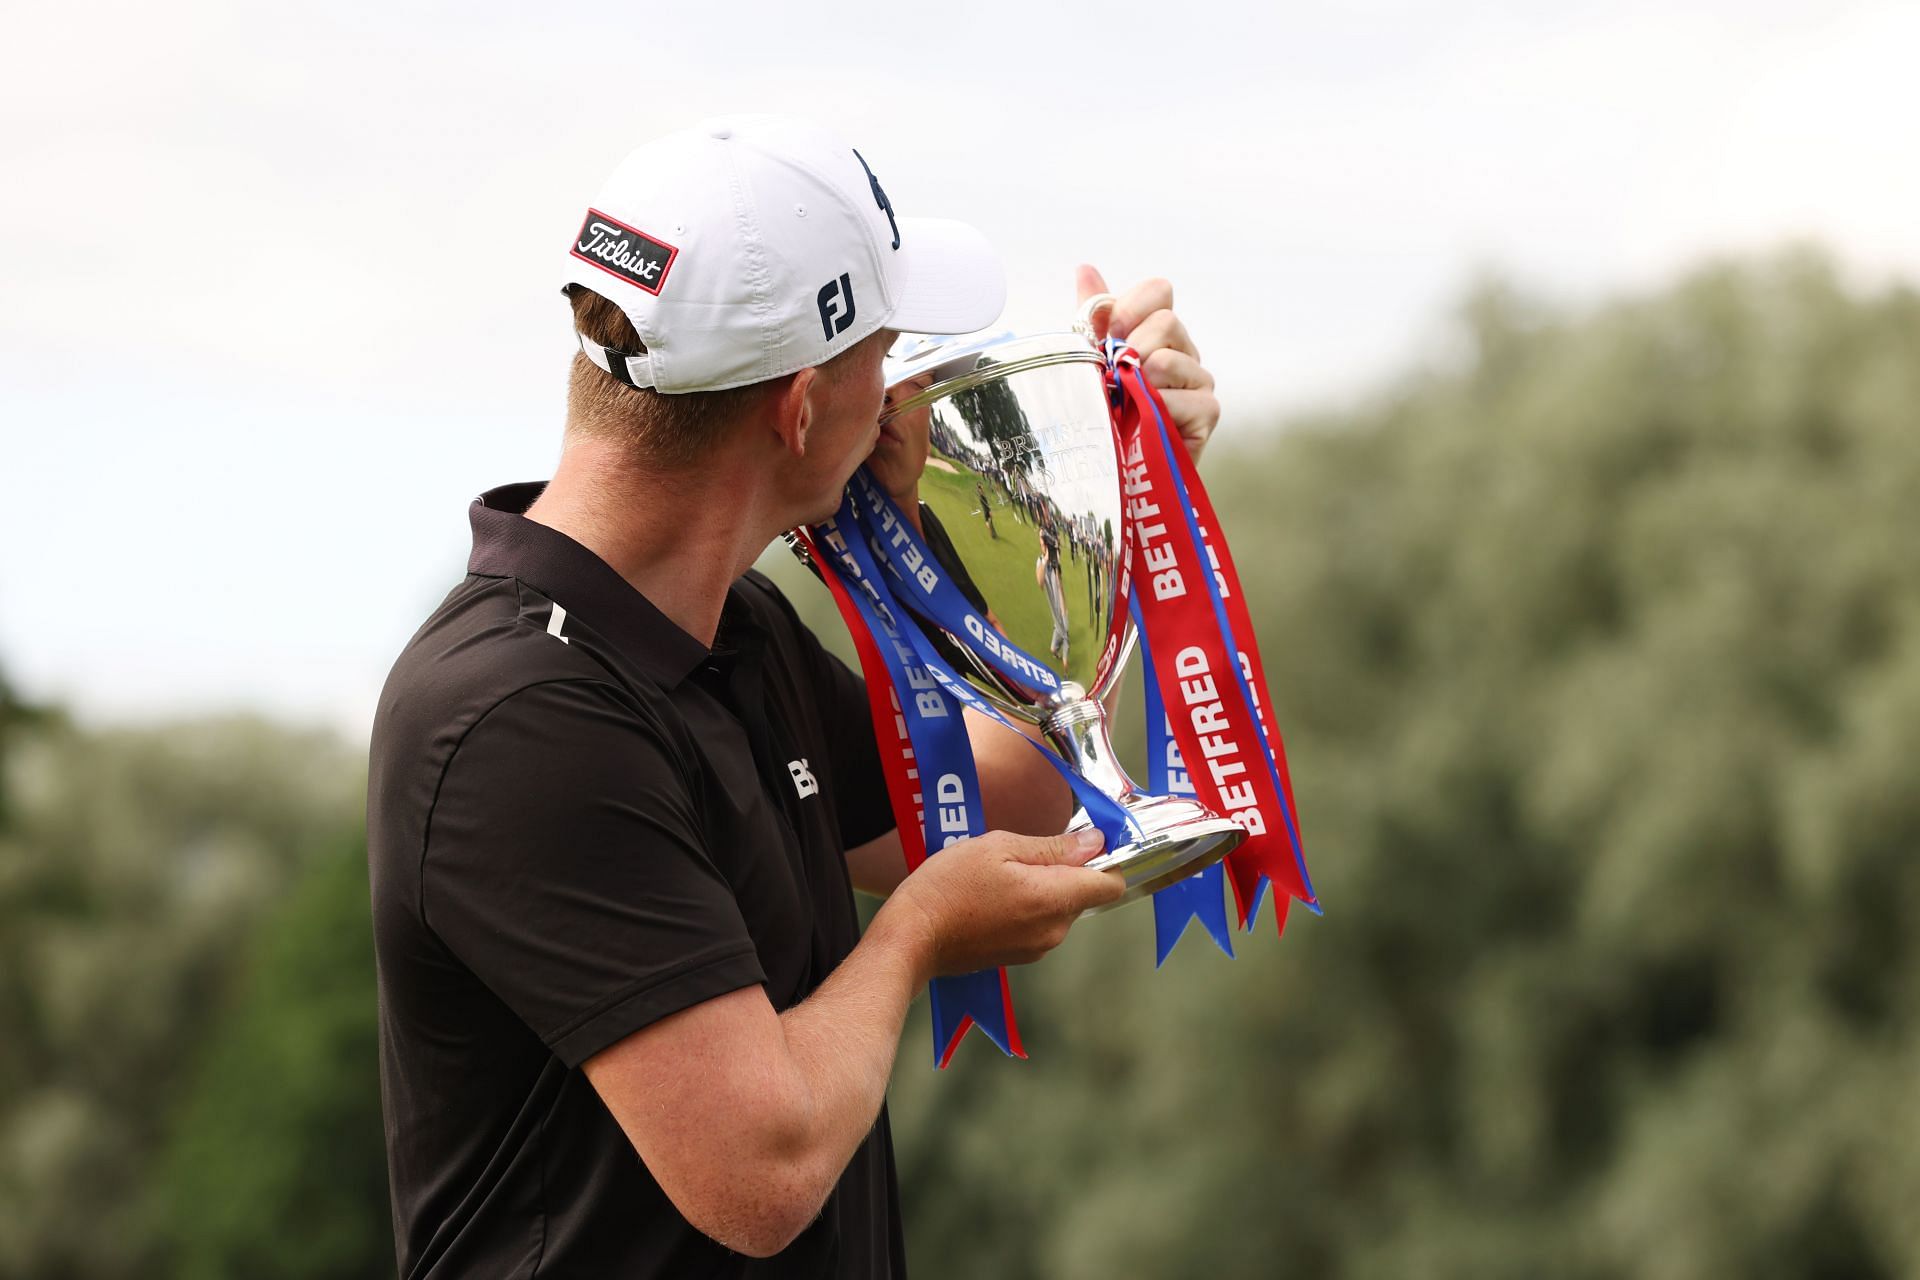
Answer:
(279, 281)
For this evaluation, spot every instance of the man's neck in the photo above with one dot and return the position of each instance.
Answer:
(679, 538)
(908, 500)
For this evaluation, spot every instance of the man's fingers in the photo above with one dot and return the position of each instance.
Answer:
(1140, 302)
(1111, 888)
(1090, 284)
(1170, 369)
(1069, 891)
(1195, 414)
(1088, 281)
(1090, 889)
(1187, 388)
(1130, 313)
(1161, 331)
(1071, 849)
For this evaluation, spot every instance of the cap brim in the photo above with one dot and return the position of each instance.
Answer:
(950, 279)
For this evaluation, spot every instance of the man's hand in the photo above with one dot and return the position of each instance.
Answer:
(1144, 317)
(1003, 898)
(747, 1118)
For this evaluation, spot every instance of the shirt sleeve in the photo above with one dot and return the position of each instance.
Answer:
(565, 867)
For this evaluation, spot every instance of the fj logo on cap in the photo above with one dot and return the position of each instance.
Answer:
(836, 306)
(623, 251)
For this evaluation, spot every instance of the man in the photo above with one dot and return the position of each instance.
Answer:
(618, 795)
(1046, 572)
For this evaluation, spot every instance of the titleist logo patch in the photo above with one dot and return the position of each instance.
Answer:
(624, 251)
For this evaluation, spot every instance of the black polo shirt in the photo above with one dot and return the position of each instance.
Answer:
(581, 820)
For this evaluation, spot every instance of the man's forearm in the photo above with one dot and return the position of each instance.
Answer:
(842, 1040)
(748, 1117)
(1018, 790)
(1022, 792)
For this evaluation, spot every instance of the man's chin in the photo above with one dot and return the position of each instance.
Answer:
(828, 506)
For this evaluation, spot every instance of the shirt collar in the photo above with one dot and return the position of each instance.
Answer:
(508, 545)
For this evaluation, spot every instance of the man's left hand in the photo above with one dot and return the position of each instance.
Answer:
(1144, 317)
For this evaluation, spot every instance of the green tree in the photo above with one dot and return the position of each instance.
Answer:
(276, 1168)
(16, 717)
(133, 864)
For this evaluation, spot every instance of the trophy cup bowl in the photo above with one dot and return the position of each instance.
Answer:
(1003, 450)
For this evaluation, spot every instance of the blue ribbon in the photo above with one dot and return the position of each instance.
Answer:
(923, 584)
(1201, 896)
(943, 757)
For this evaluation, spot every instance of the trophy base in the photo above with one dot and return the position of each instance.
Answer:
(1178, 838)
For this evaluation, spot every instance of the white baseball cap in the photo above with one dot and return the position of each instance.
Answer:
(752, 246)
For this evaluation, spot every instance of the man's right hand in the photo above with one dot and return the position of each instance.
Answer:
(1001, 898)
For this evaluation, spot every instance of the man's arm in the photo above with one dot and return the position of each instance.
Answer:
(747, 1118)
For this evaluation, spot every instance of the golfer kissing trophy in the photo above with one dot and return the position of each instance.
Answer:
(1028, 513)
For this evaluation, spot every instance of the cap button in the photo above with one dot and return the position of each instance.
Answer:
(722, 132)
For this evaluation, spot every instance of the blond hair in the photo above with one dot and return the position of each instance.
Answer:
(663, 430)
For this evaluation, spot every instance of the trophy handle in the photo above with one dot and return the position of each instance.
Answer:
(1088, 325)
(792, 538)
(1109, 676)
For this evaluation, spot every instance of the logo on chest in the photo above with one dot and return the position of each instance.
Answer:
(803, 779)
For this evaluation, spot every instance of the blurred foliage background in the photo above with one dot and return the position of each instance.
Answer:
(1598, 654)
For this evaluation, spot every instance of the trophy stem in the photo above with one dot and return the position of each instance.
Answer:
(1177, 836)
(1078, 731)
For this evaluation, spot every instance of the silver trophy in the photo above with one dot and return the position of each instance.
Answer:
(1002, 450)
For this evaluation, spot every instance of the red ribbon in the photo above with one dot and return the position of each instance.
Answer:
(1216, 729)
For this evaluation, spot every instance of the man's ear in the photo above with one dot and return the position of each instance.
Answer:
(793, 411)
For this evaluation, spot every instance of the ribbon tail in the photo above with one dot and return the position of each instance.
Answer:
(982, 1000)
(1246, 880)
(1198, 897)
(1249, 886)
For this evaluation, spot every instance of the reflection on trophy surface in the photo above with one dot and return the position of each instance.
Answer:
(898, 463)
(1000, 451)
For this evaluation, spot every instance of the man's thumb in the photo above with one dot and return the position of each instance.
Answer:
(1072, 849)
(1090, 284)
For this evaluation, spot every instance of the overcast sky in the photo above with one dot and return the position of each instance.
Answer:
(280, 281)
